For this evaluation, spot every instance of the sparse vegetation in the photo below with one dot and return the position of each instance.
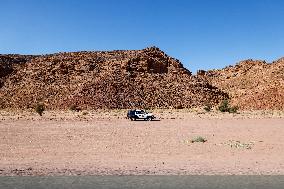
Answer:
(40, 108)
(198, 139)
(239, 145)
(208, 107)
(85, 113)
(179, 106)
(225, 107)
(74, 108)
(233, 109)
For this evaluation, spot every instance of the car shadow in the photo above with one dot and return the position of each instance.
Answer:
(156, 120)
(147, 120)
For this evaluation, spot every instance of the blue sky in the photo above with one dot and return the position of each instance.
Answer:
(203, 34)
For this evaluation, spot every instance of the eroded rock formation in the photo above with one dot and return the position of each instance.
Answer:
(146, 78)
(252, 84)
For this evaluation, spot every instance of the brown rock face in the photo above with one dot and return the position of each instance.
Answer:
(252, 84)
(10, 63)
(145, 78)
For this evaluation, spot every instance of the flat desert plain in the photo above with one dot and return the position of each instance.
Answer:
(106, 143)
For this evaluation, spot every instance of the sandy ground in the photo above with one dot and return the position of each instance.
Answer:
(102, 143)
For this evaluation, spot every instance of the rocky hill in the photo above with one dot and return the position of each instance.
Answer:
(146, 78)
(252, 84)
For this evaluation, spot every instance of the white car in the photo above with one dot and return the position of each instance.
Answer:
(139, 114)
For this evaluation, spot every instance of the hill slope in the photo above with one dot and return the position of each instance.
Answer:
(252, 84)
(145, 78)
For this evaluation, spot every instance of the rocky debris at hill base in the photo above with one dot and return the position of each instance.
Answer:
(146, 78)
(252, 84)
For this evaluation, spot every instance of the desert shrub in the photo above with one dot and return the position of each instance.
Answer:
(239, 144)
(208, 107)
(179, 106)
(85, 113)
(225, 107)
(40, 108)
(233, 109)
(198, 139)
(74, 108)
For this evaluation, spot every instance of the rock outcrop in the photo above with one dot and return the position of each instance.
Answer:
(252, 84)
(146, 78)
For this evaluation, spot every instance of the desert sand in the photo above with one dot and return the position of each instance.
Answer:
(106, 143)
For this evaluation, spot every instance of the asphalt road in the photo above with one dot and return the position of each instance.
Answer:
(168, 182)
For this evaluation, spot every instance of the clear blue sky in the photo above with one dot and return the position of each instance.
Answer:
(203, 34)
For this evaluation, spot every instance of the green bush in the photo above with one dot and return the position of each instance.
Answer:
(225, 107)
(233, 109)
(40, 109)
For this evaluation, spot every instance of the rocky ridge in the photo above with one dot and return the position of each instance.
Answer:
(146, 78)
(252, 84)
